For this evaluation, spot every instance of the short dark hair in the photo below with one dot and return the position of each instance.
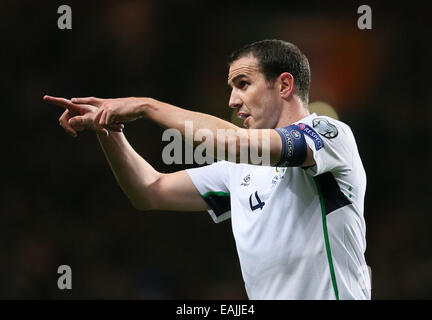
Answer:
(275, 57)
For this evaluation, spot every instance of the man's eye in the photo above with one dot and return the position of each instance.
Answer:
(243, 84)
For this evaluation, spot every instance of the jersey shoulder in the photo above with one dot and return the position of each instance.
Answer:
(328, 127)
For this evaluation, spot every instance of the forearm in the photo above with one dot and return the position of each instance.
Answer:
(132, 172)
(234, 140)
(170, 116)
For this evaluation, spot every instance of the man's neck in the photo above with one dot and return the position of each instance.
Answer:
(291, 113)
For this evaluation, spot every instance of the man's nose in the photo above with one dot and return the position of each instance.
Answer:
(235, 102)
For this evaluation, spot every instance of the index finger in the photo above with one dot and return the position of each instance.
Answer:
(62, 102)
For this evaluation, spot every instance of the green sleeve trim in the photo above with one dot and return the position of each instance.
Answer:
(215, 193)
(218, 201)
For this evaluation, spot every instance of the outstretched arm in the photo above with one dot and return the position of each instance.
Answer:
(265, 142)
(145, 187)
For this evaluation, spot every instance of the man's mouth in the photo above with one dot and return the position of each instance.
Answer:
(244, 115)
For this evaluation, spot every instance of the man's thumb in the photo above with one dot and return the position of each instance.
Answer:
(77, 121)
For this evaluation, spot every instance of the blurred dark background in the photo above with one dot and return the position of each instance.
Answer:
(60, 203)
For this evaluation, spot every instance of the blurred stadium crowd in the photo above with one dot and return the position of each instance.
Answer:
(60, 203)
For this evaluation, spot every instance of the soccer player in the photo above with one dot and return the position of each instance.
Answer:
(297, 221)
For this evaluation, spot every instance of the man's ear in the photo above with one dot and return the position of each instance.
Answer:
(287, 85)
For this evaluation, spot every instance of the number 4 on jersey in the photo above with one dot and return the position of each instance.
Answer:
(260, 204)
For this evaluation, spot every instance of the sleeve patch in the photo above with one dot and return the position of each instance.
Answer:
(319, 143)
(325, 128)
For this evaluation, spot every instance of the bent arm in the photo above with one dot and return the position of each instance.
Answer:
(146, 188)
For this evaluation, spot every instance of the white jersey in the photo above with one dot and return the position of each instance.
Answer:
(299, 233)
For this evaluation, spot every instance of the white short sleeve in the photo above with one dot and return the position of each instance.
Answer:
(212, 183)
(332, 143)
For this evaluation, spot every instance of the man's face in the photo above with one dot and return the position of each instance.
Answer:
(256, 103)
